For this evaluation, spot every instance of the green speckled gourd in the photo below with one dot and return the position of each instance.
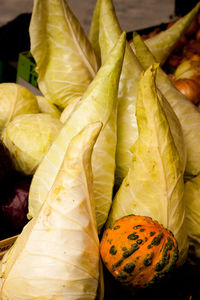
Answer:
(138, 251)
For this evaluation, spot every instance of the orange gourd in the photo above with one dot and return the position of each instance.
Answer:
(138, 251)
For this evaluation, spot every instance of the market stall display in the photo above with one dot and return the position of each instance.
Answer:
(100, 182)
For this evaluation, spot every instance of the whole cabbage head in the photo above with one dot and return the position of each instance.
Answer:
(28, 137)
(15, 100)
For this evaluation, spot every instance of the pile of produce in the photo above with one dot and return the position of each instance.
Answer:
(183, 64)
(107, 206)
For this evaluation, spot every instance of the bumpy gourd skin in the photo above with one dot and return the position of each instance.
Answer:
(138, 251)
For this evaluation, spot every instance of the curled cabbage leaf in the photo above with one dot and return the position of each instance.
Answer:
(45, 106)
(70, 107)
(15, 100)
(94, 29)
(162, 44)
(192, 212)
(65, 60)
(187, 113)
(154, 185)
(57, 254)
(127, 133)
(99, 103)
(28, 137)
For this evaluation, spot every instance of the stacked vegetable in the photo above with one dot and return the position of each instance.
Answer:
(108, 148)
(26, 134)
(183, 63)
(14, 196)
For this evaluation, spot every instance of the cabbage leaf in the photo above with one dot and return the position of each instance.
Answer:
(186, 112)
(94, 29)
(28, 137)
(45, 106)
(127, 133)
(127, 124)
(99, 103)
(162, 44)
(70, 107)
(154, 185)
(66, 62)
(57, 254)
(15, 100)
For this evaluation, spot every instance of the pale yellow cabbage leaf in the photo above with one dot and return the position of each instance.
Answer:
(99, 103)
(187, 113)
(109, 32)
(154, 185)
(70, 107)
(94, 29)
(127, 125)
(57, 254)
(162, 44)
(28, 137)
(66, 62)
(45, 106)
(15, 100)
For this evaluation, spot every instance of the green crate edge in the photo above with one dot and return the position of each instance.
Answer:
(26, 68)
